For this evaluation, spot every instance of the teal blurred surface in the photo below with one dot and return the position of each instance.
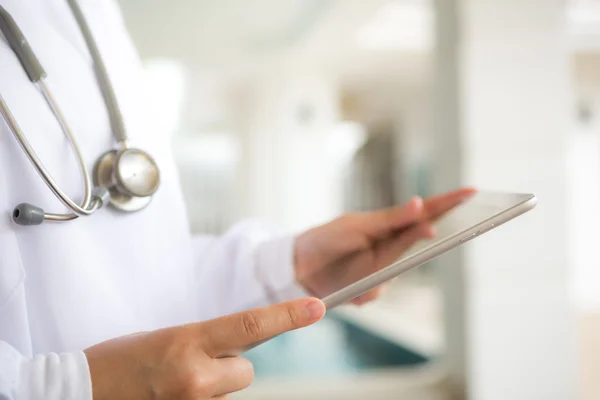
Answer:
(331, 347)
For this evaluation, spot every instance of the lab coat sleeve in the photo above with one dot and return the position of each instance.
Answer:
(44, 377)
(251, 265)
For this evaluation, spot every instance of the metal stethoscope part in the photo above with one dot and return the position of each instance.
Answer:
(125, 178)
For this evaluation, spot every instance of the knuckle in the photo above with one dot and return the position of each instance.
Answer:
(199, 384)
(177, 336)
(169, 342)
(251, 325)
(292, 316)
(168, 335)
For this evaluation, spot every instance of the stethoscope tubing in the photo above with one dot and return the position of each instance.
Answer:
(85, 208)
(116, 117)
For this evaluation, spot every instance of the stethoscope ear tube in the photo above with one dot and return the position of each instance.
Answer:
(20, 46)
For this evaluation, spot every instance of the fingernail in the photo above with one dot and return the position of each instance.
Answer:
(418, 202)
(314, 309)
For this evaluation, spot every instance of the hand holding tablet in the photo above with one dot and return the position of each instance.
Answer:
(350, 258)
(352, 247)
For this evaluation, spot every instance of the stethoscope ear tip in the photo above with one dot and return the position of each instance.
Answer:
(27, 214)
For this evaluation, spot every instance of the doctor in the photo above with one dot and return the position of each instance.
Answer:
(104, 294)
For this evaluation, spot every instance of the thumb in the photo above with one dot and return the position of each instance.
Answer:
(234, 331)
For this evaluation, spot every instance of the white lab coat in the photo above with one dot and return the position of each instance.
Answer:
(67, 286)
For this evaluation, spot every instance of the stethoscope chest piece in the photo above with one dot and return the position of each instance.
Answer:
(131, 175)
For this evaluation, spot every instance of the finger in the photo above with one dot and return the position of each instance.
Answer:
(390, 250)
(379, 224)
(435, 207)
(439, 205)
(233, 374)
(371, 295)
(242, 329)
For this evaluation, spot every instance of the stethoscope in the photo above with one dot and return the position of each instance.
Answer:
(125, 178)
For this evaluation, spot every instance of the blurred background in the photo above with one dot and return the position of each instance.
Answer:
(297, 111)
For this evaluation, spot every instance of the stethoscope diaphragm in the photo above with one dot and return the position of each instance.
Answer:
(131, 175)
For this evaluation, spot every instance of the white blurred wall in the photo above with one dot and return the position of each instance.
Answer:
(504, 114)
(289, 166)
(584, 183)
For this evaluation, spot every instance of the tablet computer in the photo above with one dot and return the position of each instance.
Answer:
(471, 218)
(481, 213)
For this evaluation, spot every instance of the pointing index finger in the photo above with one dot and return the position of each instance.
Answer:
(239, 330)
